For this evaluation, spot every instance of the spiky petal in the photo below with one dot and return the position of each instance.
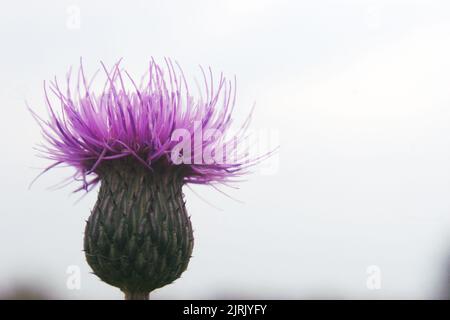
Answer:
(91, 129)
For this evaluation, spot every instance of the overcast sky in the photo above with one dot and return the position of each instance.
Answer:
(358, 93)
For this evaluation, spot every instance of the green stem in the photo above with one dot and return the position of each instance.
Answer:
(137, 295)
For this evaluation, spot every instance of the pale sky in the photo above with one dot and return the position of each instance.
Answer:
(357, 91)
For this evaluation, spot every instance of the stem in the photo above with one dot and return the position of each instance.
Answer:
(137, 295)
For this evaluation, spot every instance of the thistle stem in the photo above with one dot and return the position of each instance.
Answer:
(137, 295)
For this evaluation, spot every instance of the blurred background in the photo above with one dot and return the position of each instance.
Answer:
(357, 202)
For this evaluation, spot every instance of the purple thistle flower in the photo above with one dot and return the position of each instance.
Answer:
(92, 129)
(143, 146)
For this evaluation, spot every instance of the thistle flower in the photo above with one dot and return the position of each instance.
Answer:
(143, 145)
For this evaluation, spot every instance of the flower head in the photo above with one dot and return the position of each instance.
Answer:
(159, 123)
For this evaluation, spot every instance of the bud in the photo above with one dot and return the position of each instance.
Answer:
(139, 236)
